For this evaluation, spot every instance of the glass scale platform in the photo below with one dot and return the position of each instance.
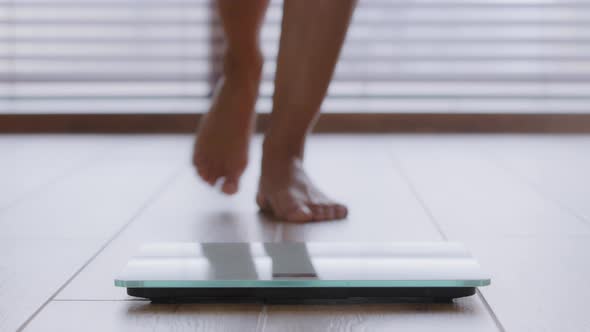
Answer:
(302, 272)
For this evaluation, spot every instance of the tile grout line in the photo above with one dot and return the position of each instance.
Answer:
(418, 197)
(492, 157)
(169, 181)
(491, 311)
(397, 166)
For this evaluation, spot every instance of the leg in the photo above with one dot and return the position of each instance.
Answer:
(221, 148)
(311, 39)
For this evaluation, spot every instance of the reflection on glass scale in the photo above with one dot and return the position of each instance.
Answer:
(412, 264)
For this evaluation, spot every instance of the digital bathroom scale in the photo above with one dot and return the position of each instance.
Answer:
(302, 272)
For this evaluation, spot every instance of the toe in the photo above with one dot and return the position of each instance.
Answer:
(211, 181)
(286, 208)
(211, 178)
(215, 178)
(205, 173)
(341, 211)
(298, 214)
(329, 212)
(230, 185)
(318, 212)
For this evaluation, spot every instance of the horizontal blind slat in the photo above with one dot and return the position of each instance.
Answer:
(338, 105)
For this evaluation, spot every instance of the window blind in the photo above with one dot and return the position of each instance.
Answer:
(434, 56)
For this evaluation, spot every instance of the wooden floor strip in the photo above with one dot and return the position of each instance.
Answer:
(141, 316)
(531, 245)
(49, 236)
(33, 163)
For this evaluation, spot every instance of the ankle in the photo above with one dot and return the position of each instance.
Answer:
(280, 150)
(278, 166)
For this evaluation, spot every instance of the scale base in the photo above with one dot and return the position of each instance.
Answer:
(303, 295)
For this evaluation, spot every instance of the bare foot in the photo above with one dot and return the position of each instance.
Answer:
(286, 191)
(221, 148)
